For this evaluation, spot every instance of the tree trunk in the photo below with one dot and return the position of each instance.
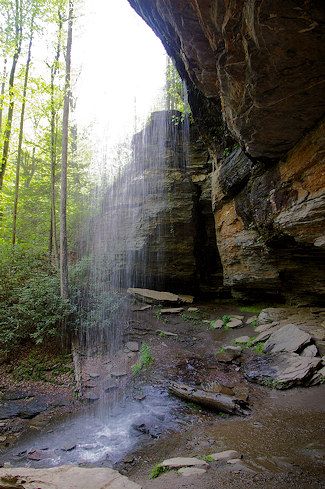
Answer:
(2, 94)
(21, 133)
(64, 165)
(53, 241)
(7, 132)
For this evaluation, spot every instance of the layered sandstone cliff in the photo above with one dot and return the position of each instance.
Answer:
(255, 75)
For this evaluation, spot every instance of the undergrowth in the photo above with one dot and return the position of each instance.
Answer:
(157, 470)
(145, 359)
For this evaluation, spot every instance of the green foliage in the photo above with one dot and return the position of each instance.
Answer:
(272, 383)
(259, 348)
(157, 470)
(221, 350)
(193, 406)
(208, 458)
(194, 316)
(38, 366)
(30, 304)
(253, 309)
(145, 359)
(226, 319)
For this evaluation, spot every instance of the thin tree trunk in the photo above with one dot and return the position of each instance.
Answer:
(21, 133)
(65, 131)
(7, 132)
(53, 241)
(2, 94)
(4, 79)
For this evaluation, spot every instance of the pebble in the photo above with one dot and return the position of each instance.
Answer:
(132, 346)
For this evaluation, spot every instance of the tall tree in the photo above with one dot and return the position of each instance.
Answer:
(21, 132)
(53, 241)
(64, 282)
(16, 54)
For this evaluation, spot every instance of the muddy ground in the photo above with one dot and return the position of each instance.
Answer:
(281, 440)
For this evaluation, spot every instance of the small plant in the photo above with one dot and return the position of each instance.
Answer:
(259, 348)
(272, 383)
(162, 334)
(222, 415)
(145, 359)
(253, 323)
(193, 406)
(208, 458)
(226, 319)
(194, 316)
(221, 350)
(157, 470)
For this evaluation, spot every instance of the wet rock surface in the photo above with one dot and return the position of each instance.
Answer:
(155, 426)
(66, 477)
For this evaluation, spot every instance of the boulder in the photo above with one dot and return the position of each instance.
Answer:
(288, 338)
(309, 351)
(281, 370)
(64, 477)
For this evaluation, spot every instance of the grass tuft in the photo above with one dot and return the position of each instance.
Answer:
(157, 470)
(144, 361)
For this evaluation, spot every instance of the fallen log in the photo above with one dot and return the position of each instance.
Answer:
(213, 400)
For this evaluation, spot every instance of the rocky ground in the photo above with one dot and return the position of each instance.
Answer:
(278, 436)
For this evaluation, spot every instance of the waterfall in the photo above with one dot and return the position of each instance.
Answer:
(128, 240)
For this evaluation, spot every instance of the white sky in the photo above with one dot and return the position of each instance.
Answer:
(121, 59)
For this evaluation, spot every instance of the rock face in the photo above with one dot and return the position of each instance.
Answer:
(262, 58)
(67, 477)
(258, 65)
(159, 226)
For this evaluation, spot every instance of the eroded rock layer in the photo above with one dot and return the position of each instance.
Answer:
(159, 225)
(258, 66)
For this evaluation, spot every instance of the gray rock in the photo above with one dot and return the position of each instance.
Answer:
(233, 461)
(38, 455)
(118, 372)
(251, 319)
(177, 462)
(157, 297)
(226, 455)
(318, 377)
(193, 309)
(281, 370)
(266, 334)
(22, 409)
(289, 338)
(235, 323)
(172, 310)
(264, 327)
(68, 447)
(309, 351)
(132, 346)
(65, 477)
(241, 340)
(217, 324)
